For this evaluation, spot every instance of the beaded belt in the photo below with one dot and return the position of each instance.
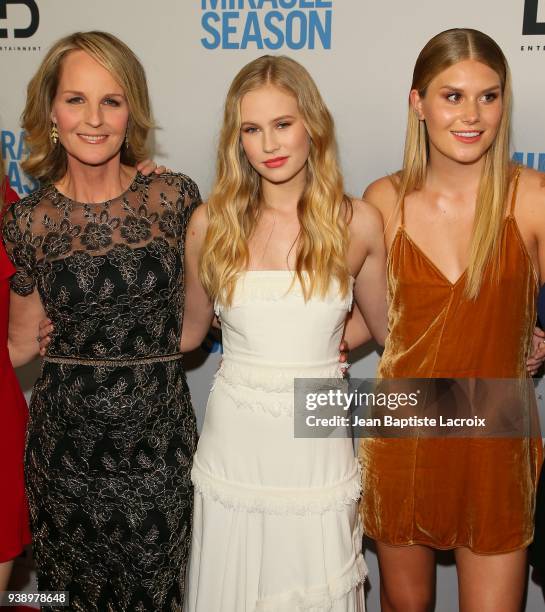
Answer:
(115, 363)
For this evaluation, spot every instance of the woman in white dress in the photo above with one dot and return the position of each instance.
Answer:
(280, 251)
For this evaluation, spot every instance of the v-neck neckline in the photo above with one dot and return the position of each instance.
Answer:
(430, 262)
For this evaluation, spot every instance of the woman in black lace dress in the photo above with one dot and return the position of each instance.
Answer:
(99, 250)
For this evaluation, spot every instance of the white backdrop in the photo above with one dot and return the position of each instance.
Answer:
(361, 53)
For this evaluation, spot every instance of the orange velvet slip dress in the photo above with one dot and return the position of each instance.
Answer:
(451, 492)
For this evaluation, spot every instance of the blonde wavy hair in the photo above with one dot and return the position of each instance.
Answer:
(324, 209)
(441, 52)
(47, 161)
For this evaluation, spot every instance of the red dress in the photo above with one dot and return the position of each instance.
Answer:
(14, 526)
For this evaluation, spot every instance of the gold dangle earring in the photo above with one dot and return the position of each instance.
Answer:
(54, 134)
(127, 139)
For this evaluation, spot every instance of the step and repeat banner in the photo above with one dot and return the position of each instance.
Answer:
(360, 52)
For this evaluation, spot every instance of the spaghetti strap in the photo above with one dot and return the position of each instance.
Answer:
(515, 188)
(402, 206)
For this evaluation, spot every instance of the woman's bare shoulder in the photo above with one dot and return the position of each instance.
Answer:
(531, 192)
(382, 194)
(531, 181)
(366, 226)
(365, 214)
(198, 223)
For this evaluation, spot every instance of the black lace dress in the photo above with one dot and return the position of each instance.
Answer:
(112, 432)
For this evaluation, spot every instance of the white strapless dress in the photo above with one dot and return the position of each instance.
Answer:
(275, 525)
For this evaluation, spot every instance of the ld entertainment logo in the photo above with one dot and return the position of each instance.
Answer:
(530, 24)
(20, 32)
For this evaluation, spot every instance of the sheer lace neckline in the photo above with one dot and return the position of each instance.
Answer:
(61, 197)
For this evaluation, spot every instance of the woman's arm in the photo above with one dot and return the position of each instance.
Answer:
(198, 311)
(367, 246)
(530, 217)
(25, 306)
(356, 331)
(25, 314)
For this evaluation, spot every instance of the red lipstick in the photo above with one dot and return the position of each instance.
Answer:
(276, 162)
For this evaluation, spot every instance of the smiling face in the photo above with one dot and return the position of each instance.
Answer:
(273, 134)
(462, 108)
(90, 110)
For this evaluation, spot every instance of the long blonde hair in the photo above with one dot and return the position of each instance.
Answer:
(323, 210)
(47, 161)
(441, 52)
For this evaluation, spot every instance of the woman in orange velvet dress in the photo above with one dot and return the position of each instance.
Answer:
(465, 232)
(14, 523)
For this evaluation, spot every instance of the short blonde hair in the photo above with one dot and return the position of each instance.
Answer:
(47, 161)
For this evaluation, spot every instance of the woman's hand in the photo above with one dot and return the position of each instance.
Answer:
(537, 355)
(343, 356)
(45, 329)
(148, 166)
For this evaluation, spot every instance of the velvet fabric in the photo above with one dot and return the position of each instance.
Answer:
(451, 492)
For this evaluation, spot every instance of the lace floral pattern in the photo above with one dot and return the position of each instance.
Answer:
(109, 447)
